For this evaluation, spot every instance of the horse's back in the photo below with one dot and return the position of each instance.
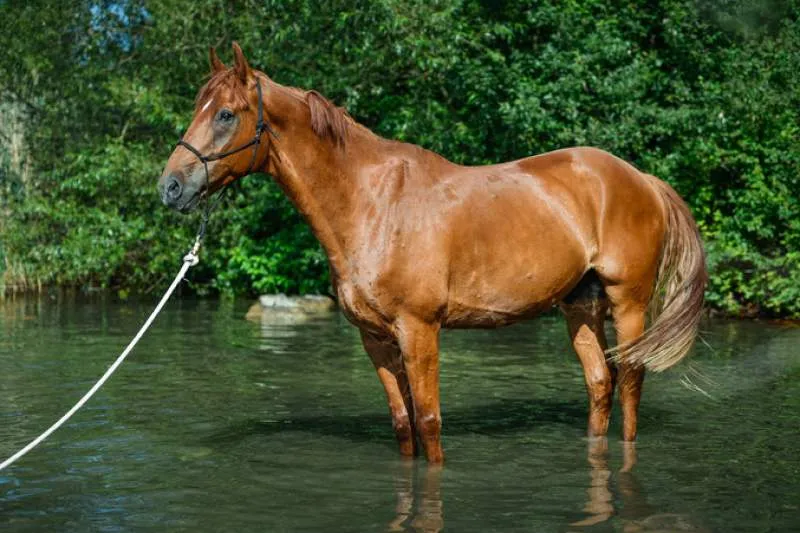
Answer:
(544, 222)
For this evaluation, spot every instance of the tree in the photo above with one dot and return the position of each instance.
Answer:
(700, 94)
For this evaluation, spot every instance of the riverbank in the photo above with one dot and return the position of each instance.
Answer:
(276, 304)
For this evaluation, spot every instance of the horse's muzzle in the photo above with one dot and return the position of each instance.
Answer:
(171, 190)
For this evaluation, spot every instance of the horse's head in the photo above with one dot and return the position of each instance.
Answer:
(223, 142)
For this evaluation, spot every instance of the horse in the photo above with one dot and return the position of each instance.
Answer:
(416, 243)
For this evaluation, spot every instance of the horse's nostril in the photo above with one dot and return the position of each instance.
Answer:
(173, 189)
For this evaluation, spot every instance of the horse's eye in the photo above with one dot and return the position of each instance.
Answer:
(225, 116)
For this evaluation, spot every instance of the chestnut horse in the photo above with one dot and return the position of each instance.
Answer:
(417, 243)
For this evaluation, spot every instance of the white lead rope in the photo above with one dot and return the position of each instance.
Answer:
(189, 261)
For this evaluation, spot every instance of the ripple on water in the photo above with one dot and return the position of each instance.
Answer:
(216, 423)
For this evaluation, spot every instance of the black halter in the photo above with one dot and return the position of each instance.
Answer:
(261, 126)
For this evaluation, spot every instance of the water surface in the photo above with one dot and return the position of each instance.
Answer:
(220, 424)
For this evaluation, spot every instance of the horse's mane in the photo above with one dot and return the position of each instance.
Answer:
(328, 121)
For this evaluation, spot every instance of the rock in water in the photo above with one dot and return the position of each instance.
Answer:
(271, 306)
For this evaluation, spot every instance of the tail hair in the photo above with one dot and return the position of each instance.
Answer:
(676, 306)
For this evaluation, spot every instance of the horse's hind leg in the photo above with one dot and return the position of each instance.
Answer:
(628, 307)
(386, 357)
(585, 309)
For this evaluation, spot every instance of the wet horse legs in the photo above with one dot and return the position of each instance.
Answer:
(585, 318)
(385, 355)
(629, 322)
(419, 343)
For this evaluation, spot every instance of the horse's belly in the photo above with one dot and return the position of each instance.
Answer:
(506, 284)
(492, 303)
(468, 316)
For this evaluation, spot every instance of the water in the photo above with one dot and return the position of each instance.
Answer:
(219, 424)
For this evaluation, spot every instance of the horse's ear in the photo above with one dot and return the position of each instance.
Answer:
(213, 58)
(241, 66)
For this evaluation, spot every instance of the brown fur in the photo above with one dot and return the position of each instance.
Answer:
(677, 303)
(227, 81)
(417, 243)
(327, 120)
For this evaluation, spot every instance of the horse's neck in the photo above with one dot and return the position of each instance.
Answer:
(320, 178)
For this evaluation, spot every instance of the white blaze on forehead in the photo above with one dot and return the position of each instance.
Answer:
(207, 104)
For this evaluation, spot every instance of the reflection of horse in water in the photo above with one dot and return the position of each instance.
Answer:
(635, 513)
(420, 502)
(417, 243)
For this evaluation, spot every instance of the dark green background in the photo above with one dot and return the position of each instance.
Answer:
(93, 96)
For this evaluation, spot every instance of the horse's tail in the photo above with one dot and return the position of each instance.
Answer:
(677, 303)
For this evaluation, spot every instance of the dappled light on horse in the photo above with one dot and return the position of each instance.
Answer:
(417, 243)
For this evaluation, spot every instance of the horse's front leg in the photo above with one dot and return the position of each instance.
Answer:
(419, 344)
(385, 355)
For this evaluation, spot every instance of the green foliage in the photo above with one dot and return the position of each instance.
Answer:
(701, 94)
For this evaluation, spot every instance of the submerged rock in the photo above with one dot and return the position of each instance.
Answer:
(272, 306)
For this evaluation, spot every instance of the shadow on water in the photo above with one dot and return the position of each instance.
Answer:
(502, 416)
(498, 417)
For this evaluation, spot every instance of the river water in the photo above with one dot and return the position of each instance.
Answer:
(219, 424)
